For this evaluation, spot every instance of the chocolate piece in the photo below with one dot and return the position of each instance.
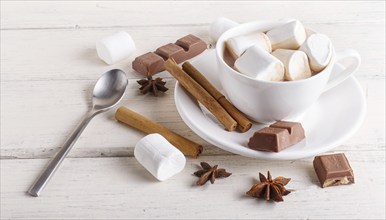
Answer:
(148, 64)
(172, 51)
(295, 130)
(333, 169)
(192, 45)
(277, 136)
(185, 48)
(269, 139)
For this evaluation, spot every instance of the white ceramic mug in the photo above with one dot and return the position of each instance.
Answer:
(266, 101)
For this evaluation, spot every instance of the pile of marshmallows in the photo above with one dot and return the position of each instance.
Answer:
(284, 53)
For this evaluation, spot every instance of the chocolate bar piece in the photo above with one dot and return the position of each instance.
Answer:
(333, 169)
(295, 130)
(172, 51)
(148, 64)
(269, 139)
(192, 45)
(185, 48)
(277, 136)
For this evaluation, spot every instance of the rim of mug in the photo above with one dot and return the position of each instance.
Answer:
(221, 44)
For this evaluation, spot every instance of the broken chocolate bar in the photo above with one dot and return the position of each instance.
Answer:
(183, 49)
(333, 169)
(277, 136)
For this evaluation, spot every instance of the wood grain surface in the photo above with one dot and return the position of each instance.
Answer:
(49, 66)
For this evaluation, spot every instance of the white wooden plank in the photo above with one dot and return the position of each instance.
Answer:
(37, 116)
(70, 54)
(36, 119)
(119, 188)
(34, 14)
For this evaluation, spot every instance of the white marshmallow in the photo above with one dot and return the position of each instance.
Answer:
(219, 26)
(288, 36)
(159, 157)
(318, 48)
(116, 47)
(257, 63)
(295, 64)
(238, 45)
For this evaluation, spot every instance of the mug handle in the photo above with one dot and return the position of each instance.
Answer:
(352, 60)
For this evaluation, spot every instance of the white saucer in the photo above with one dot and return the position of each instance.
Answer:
(333, 119)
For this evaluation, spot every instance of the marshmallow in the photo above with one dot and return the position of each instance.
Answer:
(318, 48)
(295, 64)
(288, 36)
(116, 47)
(238, 45)
(257, 63)
(159, 157)
(219, 26)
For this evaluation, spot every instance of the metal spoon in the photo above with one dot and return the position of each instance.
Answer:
(108, 91)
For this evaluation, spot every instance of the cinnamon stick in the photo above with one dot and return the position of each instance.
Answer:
(201, 95)
(243, 123)
(148, 126)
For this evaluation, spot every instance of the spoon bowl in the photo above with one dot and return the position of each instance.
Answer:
(108, 91)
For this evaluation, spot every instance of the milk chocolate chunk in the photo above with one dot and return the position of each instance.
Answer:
(192, 45)
(277, 136)
(333, 169)
(270, 139)
(148, 64)
(172, 51)
(295, 130)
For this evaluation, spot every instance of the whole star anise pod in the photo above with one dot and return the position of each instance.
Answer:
(209, 173)
(270, 189)
(152, 85)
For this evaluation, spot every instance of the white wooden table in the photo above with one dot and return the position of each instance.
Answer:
(49, 66)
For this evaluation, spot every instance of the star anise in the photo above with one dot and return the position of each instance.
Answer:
(270, 189)
(209, 173)
(152, 85)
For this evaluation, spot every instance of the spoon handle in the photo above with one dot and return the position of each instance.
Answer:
(54, 164)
